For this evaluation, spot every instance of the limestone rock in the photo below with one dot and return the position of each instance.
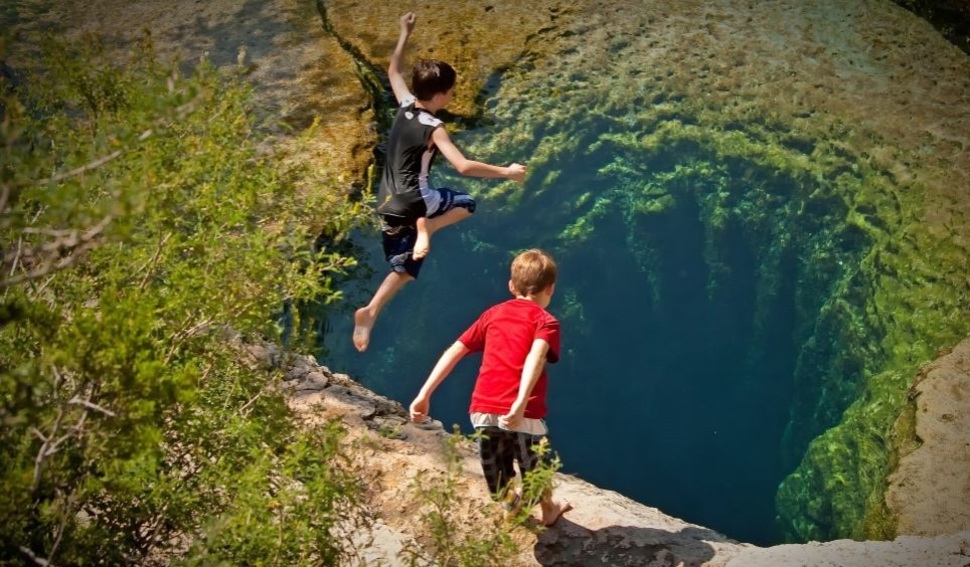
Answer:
(930, 489)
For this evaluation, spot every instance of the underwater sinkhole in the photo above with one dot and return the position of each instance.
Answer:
(692, 294)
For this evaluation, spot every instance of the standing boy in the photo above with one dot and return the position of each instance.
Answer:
(508, 403)
(411, 210)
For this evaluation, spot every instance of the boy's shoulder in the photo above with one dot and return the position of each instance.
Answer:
(410, 113)
(523, 305)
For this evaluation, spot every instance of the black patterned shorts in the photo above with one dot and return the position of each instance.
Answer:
(498, 449)
(398, 239)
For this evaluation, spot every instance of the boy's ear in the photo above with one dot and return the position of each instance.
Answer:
(439, 99)
(550, 289)
(512, 289)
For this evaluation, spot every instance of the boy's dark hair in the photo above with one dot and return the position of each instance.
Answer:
(431, 77)
(533, 271)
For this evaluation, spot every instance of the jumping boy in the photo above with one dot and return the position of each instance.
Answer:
(410, 209)
(508, 402)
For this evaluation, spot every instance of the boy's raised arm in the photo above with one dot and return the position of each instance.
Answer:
(421, 404)
(395, 68)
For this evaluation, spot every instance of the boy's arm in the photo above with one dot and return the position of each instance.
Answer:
(531, 371)
(465, 166)
(444, 366)
(395, 69)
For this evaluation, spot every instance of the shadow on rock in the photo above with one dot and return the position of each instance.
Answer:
(568, 544)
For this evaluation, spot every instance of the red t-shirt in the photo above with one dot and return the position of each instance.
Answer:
(505, 333)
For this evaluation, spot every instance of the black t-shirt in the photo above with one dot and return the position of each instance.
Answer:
(404, 194)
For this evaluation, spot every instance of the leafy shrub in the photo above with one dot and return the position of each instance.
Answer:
(138, 222)
(458, 532)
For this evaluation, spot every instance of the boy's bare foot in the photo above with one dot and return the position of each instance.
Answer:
(363, 323)
(552, 511)
(422, 245)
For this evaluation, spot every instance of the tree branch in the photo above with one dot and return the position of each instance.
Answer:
(151, 262)
(45, 449)
(34, 557)
(90, 405)
(71, 240)
(16, 258)
(74, 243)
(4, 197)
(92, 165)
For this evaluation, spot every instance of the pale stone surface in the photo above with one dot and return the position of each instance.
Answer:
(383, 546)
(606, 528)
(930, 489)
(943, 551)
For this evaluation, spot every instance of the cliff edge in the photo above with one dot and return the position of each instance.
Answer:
(606, 528)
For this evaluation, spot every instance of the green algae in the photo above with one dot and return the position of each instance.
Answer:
(838, 490)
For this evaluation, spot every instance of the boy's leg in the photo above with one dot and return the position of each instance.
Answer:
(422, 246)
(528, 460)
(497, 460)
(397, 242)
(422, 242)
(365, 317)
(455, 206)
(451, 217)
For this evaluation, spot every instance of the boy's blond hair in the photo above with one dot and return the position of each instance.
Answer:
(533, 271)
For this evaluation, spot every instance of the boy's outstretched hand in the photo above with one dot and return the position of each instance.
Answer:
(419, 409)
(517, 172)
(407, 22)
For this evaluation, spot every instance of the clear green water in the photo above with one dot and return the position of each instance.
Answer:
(680, 336)
(745, 293)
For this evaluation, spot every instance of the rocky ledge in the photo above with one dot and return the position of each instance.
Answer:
(930, 486)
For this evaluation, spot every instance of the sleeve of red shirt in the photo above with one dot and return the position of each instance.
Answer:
(549, 331)
(474, 337)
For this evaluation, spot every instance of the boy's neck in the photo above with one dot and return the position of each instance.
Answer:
(427, 105)
(540, 299)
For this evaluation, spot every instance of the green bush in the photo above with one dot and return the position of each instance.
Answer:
(139, 228)
(456, 531)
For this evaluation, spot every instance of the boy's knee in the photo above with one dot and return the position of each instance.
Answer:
(461, 200)
(467, 203)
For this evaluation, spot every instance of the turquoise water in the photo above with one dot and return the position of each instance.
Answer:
(676, 378)
(699, 261)
(733, 217)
